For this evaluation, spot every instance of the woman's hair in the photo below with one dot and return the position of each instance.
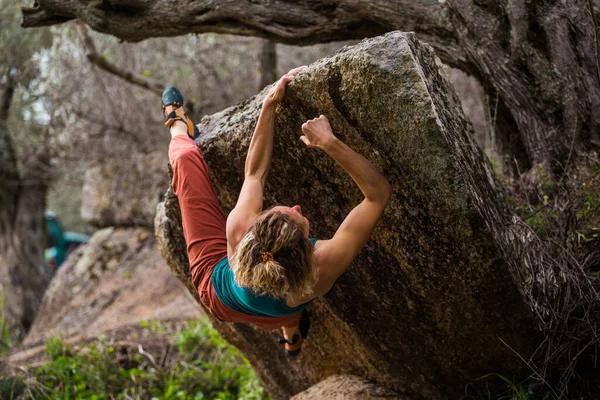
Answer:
(275, 257)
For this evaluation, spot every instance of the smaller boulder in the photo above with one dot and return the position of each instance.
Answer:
(124, 192)
(118, 278)
(347, 387)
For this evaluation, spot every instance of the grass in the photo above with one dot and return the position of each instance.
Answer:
(480, 390)
(206, 367)
(560, 273)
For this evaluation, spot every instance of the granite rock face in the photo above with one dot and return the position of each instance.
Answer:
(124, 192)
(430, 304)
(117, 279)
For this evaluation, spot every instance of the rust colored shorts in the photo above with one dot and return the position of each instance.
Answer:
(204, 231)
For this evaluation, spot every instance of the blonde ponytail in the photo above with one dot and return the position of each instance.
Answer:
(275, 257)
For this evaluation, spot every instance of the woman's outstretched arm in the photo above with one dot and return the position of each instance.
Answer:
(258, 163)
(336, 255)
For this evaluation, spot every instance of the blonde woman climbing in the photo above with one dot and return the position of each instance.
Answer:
(262, 267)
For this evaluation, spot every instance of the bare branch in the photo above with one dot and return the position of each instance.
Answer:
(95, 58)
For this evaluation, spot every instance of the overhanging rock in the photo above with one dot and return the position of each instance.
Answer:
(429, 305)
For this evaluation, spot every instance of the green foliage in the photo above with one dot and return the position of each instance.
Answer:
(90, 374)
(207, 368)
(11, 388)
(541, 219)
(56, 348)
(480, 390)
(219, 362)
(591, 203)
(547, 203)
(589, 213)
(495, 164)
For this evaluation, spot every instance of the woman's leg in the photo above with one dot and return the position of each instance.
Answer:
(290, 331)
(295, 332)
(202, 216)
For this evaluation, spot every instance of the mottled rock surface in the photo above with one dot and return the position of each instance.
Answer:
(124, 192)
(430, 304)
(118, 278)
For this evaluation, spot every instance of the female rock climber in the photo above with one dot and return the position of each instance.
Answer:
(257, 266)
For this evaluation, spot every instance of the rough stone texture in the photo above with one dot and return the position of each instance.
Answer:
(124, 192)
(428, 303)
(347, 387)
(116, 279)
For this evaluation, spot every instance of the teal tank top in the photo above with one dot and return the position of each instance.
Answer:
(245, 300)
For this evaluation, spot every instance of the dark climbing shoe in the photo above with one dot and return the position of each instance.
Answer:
(293, 348)
(172, 109)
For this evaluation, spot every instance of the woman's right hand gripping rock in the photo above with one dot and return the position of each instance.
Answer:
(317, 133)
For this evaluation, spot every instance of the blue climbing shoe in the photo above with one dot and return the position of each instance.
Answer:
(172, 109)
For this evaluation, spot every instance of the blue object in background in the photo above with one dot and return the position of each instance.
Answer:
(60, 243)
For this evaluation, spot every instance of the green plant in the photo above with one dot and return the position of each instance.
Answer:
(222, 364)
(480, 389)
(206, 367)
(11, 388)
(591, 203)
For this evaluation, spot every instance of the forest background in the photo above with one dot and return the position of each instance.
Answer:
(62, 115)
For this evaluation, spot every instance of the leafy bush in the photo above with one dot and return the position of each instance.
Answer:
(206, 368)
(11, 388)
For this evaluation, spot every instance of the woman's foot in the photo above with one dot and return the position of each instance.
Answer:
(294, 336)
(172, 108)
(292, 340)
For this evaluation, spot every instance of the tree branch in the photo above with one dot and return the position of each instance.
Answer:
(300, 22)
(267, 63)
(95, 58)
(6, 97)
(36, 17)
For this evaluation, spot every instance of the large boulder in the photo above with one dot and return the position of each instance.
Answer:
(124, 192)
(431, 303)
(117, 279)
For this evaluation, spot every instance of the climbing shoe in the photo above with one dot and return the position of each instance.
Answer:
(172, 109)
(293, 347)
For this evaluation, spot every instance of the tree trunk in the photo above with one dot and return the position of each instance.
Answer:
(539, 58)
(23, 276)
(431, 303)
(267, 63)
